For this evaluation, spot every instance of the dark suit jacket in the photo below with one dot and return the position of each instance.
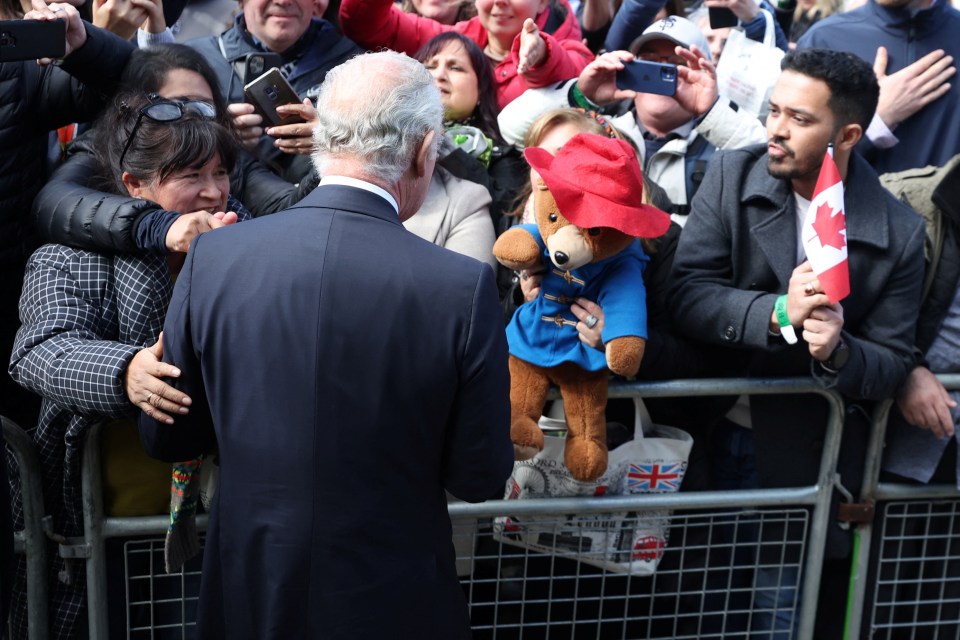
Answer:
(349, 372)
(736, 254)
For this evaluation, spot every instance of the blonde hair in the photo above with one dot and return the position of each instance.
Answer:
(587, 122)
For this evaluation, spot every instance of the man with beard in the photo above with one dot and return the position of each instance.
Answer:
(740, 256)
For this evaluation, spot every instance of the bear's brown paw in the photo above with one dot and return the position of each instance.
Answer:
(586, 458)
(527, 438)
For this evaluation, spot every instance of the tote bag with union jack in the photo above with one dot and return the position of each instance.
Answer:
(622, 541)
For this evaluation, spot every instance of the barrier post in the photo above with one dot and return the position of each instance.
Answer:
(92, 483)
(34, 536)
(876, 492)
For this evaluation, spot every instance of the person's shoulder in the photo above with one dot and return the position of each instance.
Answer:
(331, 43)
(472, 29)
(463, 190)
(203, 43)
(828, 33)
(744, 157)
(69, 259)
(903, 220)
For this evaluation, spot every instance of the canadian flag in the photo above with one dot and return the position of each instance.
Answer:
(824, 232)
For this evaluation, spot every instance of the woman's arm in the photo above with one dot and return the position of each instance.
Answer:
(380, 23)
(70, 211)
(564, 59)
(59, 353)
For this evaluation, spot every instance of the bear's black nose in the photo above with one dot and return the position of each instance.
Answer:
(560, 257)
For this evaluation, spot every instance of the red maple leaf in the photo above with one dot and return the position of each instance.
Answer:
(829, 226)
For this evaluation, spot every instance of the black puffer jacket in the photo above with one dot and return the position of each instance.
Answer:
(71, 210)
(33, 101)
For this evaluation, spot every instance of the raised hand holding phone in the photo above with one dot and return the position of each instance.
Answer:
(644, 76)
(73, 35)
(269, 91)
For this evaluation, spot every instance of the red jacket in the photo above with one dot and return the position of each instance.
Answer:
(379, 23)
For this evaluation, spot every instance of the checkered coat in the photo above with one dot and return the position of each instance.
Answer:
(84, 316)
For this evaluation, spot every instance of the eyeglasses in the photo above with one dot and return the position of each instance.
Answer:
(163, 110)
(672, 59)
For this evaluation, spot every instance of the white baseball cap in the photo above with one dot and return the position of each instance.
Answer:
(677, 30)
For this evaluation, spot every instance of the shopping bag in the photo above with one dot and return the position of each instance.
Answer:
(625, 542)
(748, 69)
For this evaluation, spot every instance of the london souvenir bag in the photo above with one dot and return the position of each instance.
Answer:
(654, 462)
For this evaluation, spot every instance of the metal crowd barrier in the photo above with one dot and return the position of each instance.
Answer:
(32, 540)
(907, 567)
(702, 586)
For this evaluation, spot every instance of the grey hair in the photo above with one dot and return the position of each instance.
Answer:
(376, 109)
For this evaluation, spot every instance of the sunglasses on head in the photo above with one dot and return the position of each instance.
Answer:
(164, 110)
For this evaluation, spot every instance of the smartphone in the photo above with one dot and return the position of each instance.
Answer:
(256, 64)
(722, 17)
(32, 39)
(269, 91)
(648, 77)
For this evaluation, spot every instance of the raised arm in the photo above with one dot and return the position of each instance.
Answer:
(380, 23)
(70, 211)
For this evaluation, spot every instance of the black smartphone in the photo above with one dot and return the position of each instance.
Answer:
(32, 39)
(256, 64)
(269, 91)
(722, 18)
(648, 77)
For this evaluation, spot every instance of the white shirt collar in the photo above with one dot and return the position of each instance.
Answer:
(362, 184)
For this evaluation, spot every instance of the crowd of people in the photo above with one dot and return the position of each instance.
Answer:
(246, 292)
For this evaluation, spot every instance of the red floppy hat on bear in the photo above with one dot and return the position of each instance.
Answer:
(596, 182)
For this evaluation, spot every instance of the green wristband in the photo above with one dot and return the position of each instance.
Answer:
(581, 100)
(786, 329)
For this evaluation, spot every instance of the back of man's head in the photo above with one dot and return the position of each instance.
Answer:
(852, 82)
(374, 111)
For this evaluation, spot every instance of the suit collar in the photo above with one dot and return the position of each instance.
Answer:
(348, 181)
(864, 201)
(865, 207)
(352, 199)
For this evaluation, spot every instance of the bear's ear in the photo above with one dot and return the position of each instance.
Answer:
(541, 185)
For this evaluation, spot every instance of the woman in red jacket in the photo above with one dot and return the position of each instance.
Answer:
(531, 43)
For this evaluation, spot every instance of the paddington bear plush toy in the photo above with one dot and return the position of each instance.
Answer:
(589, 214)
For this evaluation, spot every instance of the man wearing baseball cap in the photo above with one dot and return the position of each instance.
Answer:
(676, 135)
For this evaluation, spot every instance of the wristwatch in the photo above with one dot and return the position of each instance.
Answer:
(838, 358)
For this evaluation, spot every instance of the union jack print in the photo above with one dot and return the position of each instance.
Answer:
(655, 477)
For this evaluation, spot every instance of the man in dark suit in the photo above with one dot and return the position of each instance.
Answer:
(348, 373)
(740, 253)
